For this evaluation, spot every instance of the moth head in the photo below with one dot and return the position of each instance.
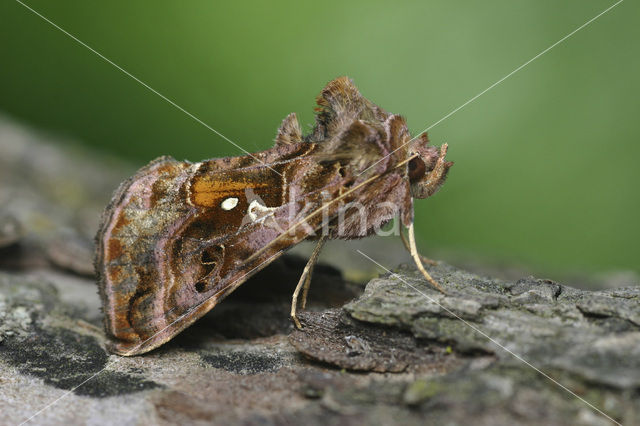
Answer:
(428, 169)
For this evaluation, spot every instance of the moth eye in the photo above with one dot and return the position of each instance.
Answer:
(417, 169)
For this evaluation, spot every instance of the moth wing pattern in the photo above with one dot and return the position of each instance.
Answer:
(167, 252)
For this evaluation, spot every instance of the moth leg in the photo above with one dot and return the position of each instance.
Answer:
(422, 258)
(312, 260)
(416, 258)
(305, 282)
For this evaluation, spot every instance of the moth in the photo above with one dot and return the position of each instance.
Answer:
(178, 237)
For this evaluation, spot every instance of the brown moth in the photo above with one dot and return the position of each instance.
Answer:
(178, 237)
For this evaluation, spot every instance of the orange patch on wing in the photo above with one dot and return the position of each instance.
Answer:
(210, 193)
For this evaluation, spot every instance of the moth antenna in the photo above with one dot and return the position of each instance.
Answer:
(416, 258)
(324, 207)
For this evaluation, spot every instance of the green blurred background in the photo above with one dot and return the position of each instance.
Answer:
(546, 167)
